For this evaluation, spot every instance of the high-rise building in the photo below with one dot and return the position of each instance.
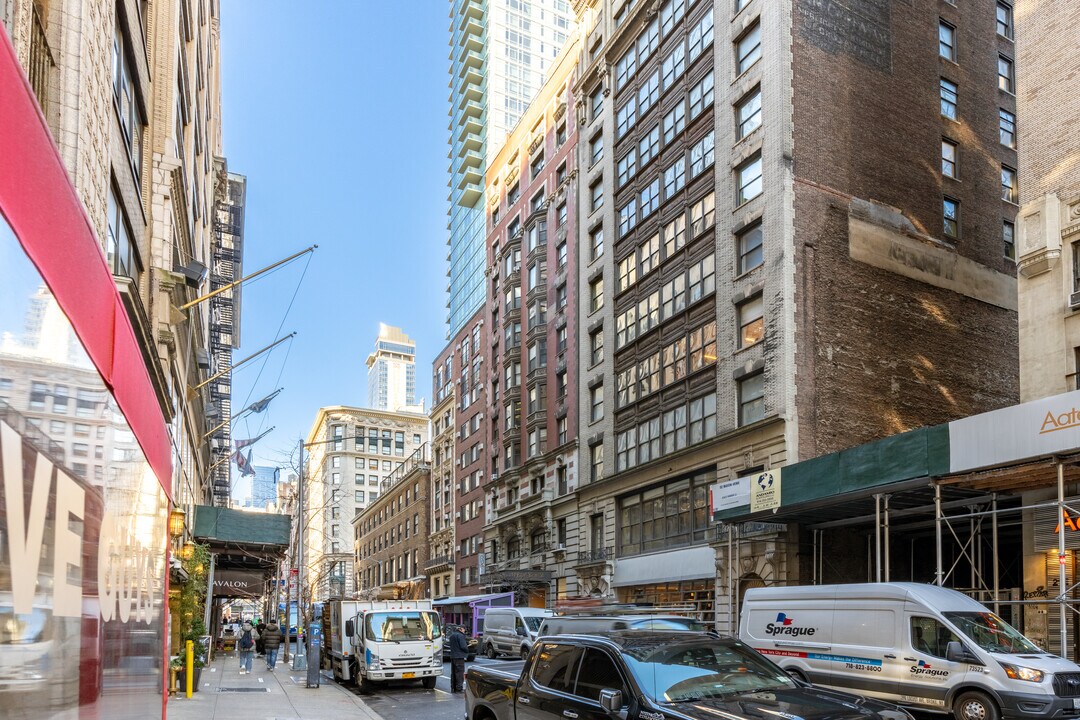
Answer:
(799, 250)
(350, 453)
(532, 364)
(1048, 227)
(392, 372)
(258, 491)
(499, 52)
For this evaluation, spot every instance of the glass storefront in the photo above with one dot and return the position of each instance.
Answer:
(696, 597)
(83, 524)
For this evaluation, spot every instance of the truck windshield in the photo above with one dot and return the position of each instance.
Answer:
(399, 625)
(991, 633)
(683, 671)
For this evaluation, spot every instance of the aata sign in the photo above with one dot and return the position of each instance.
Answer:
(1061, 421)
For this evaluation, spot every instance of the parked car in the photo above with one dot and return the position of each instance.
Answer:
(920, 645)
(600, 624)
(512, 631)
(654, 676)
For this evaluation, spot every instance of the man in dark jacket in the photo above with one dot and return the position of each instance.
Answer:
(261, 627)
(271, 638)
(459, 650)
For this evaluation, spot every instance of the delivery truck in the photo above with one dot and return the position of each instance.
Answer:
(380, 641)
(918, 645)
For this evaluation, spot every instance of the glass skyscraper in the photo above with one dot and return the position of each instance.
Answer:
(499, 51)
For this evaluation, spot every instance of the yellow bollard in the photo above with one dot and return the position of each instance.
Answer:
(189, 664)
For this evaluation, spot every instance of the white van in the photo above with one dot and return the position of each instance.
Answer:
(917, 645)
(511, 631)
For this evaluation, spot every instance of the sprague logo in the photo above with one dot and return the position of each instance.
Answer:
(923, 669)
(784, 626)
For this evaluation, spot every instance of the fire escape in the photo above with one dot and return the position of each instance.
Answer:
(226, 264)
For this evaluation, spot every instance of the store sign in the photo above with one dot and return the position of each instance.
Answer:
(1047, 529)
(1041, 428)
(238, 583)
(765, 490)
(730, 494)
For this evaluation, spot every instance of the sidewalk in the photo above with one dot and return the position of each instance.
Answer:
(225, 694)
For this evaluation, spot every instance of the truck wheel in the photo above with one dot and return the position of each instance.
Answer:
(429, 683)
(491, 652)
(975, 705)
(365, 686)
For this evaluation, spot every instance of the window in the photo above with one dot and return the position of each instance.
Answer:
(951, 213)
(701, 154)
(625, 67)
(560, 255)
(701, 278)
(596, 397)
(1008, 236)
(537, 202)
(930, 637)
(701, 96)
(748, 113)
(748, 49)
(948, 158)
(596, 461)
(627, 272)
(674, 122)
(359, 496)
(512, 196)
(560, 298)
(751, 399)
(131, 124)
(596, 148)
(627, 167)
(560, 215)
(674, 235)
(625, 117)
(948, 98)
(1009, 190)
(703, 417)
(751, 321)
(649, 40)
(702, 214)
(671, 515)
(674, 65)
(556, 666)
(627, 217)
(649, 145)
(597, 102)
(1007, 128)
(560, 135)
(120, 250)
(596, 241)
(748, 180)
(649, 93)
(671, 13)
(596, 346)
(536, 166)
(701, 36)
(649, 198)
(1005, 74)
(649, 255)
(560, 173)
(602, 675)
(751, 253)
(946, 41)
(596, 294)
(596, 192)
(1004, 19)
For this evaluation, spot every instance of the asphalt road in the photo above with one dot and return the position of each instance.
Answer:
(409, 700)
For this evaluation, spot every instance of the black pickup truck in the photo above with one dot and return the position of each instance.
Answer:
(640, 675)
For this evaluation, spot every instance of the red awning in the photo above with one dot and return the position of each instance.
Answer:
(44, 211)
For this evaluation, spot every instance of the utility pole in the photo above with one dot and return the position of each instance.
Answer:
(300, 659)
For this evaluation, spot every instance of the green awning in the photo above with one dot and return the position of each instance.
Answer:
(226, 527)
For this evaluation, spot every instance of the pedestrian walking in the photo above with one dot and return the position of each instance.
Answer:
(246, 646)
(459, 650)
(271, 638)
(260, 628)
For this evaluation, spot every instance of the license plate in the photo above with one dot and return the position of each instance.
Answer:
(1076, 703)
(408, 676)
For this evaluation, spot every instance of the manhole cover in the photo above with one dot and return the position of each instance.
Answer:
(243, 690)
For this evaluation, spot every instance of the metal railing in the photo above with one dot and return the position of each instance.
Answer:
(596, 555)
(421, 458)
(41, 61)
(439, 561)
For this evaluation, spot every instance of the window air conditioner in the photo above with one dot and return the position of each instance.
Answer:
(1074, 301)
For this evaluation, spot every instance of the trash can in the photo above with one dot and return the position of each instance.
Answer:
(314, 654)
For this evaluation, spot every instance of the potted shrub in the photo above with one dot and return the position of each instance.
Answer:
(188, 609)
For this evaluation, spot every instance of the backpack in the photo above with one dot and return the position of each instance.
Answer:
(245, 640)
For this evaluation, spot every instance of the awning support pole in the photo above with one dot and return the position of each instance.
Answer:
(730, 583)
(994, 545)
(814, 574)
(974, 559)
(1062, 583)
(877, 538)
(888, 558)
(938, 580)
(208, 604)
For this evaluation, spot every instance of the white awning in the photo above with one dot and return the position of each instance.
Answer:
(693, 563)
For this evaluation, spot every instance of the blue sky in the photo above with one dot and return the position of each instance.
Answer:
(337, 115)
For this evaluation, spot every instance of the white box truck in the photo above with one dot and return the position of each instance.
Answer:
(374, 642)
(918, 645)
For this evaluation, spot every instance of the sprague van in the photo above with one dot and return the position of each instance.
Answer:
(917, 645)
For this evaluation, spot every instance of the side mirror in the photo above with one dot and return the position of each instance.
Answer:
(611, 700)
(350, 629)
(522, 632)
(956, 652)
(794, 674)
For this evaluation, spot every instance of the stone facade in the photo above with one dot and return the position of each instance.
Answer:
(1048, 229)
(442, 543)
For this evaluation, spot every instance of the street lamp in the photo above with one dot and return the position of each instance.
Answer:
(176, 523)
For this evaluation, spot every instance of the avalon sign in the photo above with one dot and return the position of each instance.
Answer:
(238, 583)
(1041, 428)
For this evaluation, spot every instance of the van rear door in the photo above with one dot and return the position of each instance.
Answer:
(927, 676)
